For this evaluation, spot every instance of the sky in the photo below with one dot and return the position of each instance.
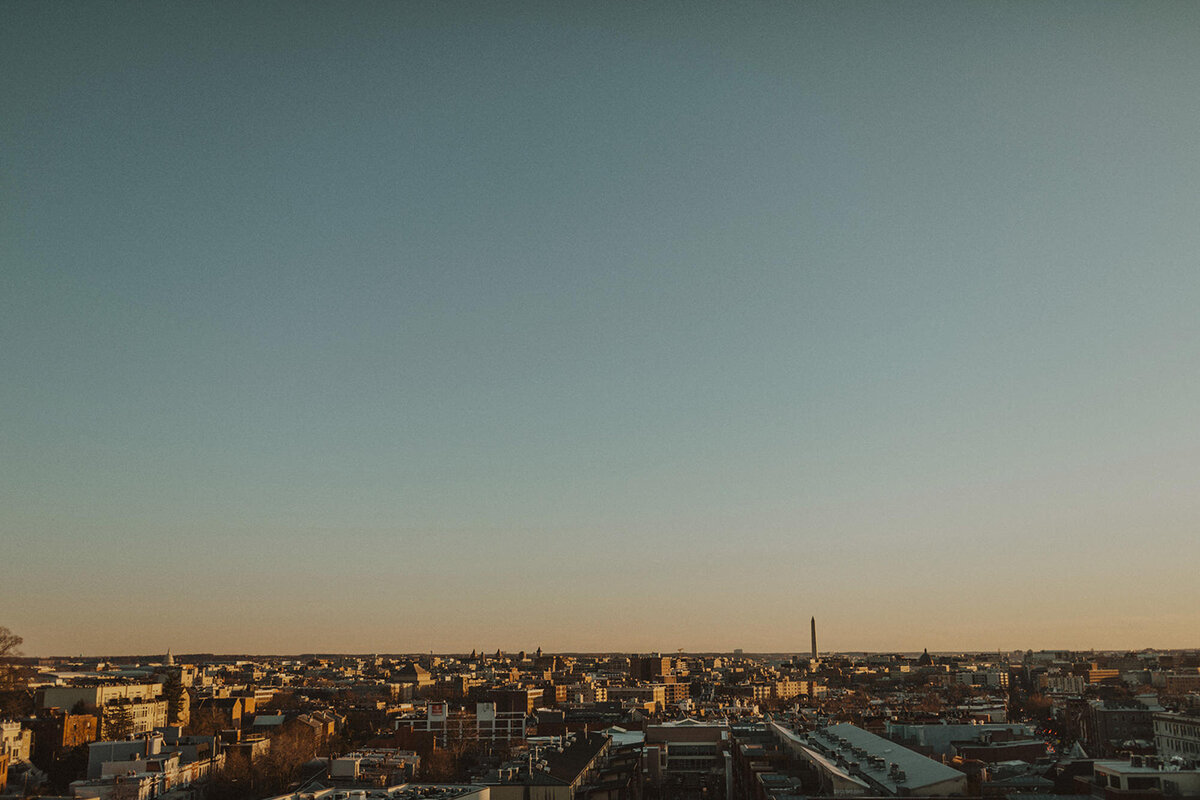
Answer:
(397, 327)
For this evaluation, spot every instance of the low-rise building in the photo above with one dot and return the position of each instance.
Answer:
(943, 739)
(1141, 778)
(686, 745)
(406, 791)
(146, 768)
(56, 730)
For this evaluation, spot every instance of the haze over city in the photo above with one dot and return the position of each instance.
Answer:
(411, 327)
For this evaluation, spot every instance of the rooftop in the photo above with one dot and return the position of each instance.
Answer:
(881, 761)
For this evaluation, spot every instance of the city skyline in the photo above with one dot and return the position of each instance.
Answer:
(608, 327)
(488, 648)
(487, 655)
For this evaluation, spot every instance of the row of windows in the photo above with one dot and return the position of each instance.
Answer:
(1181, 745)
(692, 749)
(692, 763)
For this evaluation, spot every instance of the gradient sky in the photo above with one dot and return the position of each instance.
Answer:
(599, 326)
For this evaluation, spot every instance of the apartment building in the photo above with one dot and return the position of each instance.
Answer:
(1177, 735)
(686, 745)
(97, 695)
(485, 724)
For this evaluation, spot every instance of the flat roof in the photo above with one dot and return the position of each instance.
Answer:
(919, 771)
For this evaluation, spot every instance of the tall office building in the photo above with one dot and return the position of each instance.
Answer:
(814, 638)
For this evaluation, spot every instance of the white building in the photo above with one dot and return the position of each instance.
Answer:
(15, 740)
(1177, 735)
(98, 695)
(486, 724)
(1144, 774)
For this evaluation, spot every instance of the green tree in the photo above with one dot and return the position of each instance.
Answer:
(173, 691)
(69, 765)
(118, 721)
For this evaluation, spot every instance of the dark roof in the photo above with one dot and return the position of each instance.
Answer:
(574, 760)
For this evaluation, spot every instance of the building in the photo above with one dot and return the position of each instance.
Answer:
(377, 766)
(640, 695)
(587, 692)
(1110, 728)
(675, 692)
(1062, 683)
(144, 769)
(406, 791)
(486, 724)
(523, 700)
(1097, 675)
(95, 696)
(215, 714)
(689, 758)
(15, 740)
(556, 774)
(943, 739)
(1177, 735)
(1140, 778)
(143, 702)
(850, 761)
(416, 675)
(992, 679)
(650, 668)
(143, 715)
(788, 688)
(1181, 684)
(57, 730)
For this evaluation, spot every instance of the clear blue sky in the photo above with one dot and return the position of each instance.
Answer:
(395, 326)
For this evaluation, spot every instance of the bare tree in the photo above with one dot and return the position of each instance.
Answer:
(125, 788)
(9, 644)
(14, 696)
